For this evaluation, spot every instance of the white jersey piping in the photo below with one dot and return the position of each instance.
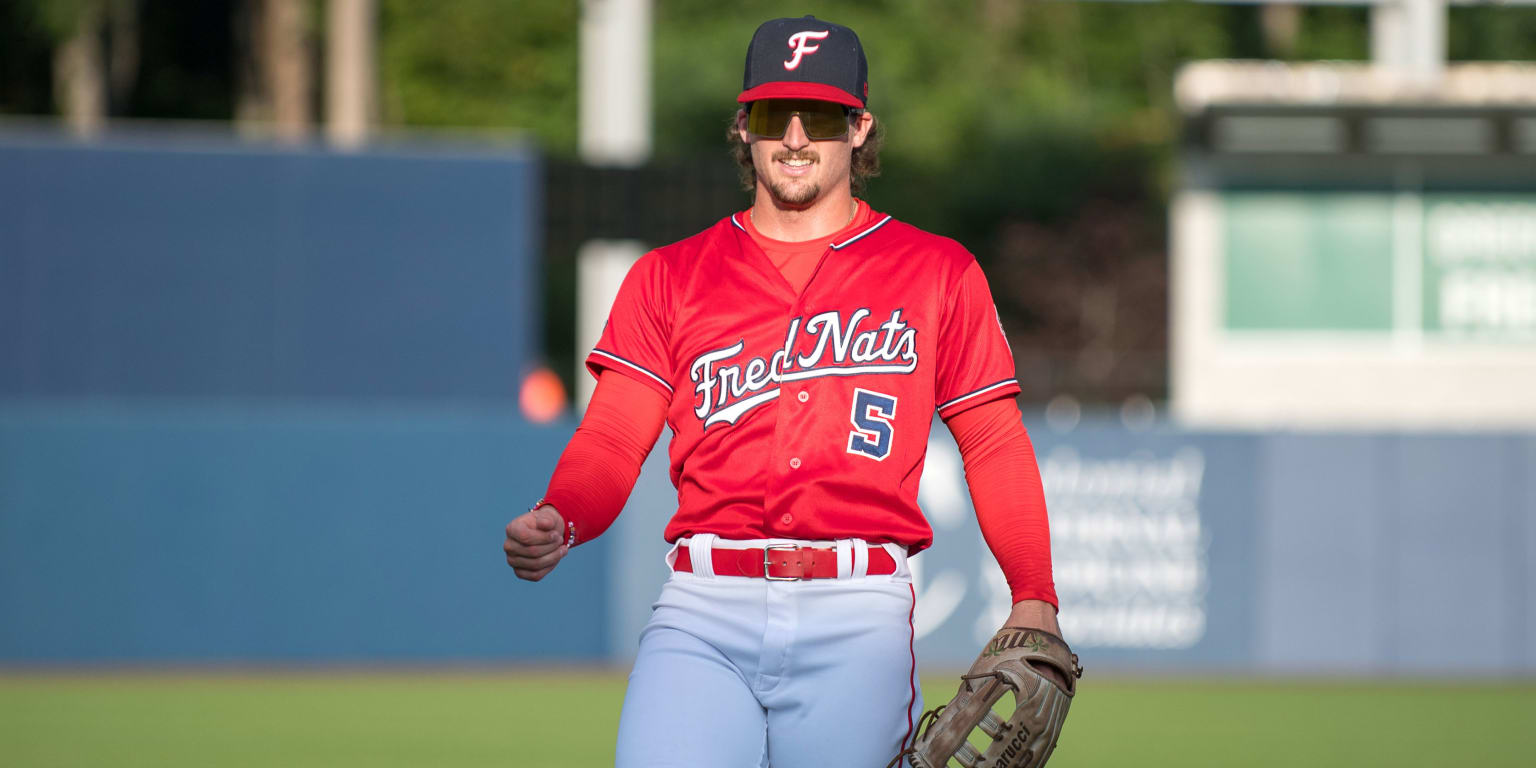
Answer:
(616, 358)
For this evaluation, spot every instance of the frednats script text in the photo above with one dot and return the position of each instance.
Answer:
(727, 388)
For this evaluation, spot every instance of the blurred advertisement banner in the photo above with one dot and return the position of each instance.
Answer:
(1128, 547)
(1480, 265)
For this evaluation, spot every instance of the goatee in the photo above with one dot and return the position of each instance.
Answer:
(793, 197)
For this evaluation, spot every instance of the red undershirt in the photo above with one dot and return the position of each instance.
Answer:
(797, 261)
(597, 471)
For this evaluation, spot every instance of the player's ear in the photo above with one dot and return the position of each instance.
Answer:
(741, 126)
(861, 127)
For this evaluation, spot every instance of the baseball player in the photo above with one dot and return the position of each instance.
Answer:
(798, 350)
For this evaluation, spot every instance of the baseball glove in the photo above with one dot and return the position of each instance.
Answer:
(1008, 664)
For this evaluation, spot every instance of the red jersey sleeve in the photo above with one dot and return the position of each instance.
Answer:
(599, 466)
(636, 339)
(1004, 480)
(975, 363)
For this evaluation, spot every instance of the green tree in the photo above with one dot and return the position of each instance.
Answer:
(493, 64)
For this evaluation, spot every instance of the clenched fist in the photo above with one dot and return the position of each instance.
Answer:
(535, 542)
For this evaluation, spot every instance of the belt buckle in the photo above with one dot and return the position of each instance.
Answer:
(767, 555)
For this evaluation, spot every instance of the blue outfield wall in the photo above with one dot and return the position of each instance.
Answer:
(179, 533)
(1376, 551)
(142, 269)
(173, 533)
(259, 403)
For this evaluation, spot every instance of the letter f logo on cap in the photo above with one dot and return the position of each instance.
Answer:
(798, 44)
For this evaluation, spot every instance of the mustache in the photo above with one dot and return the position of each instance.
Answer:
(804, 154)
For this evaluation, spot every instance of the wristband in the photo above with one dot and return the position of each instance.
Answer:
(570, 525)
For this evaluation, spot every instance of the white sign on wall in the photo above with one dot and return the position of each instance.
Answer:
(1128, 548)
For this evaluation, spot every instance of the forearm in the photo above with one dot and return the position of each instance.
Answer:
(1004, 483)
(599, 466)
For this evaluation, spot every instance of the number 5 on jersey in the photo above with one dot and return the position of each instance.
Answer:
(872, 414)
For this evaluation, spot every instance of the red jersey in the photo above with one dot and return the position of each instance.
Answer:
(806, 415)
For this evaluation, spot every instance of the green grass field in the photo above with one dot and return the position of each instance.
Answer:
(568, 720)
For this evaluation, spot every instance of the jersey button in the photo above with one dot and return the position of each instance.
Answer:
(804, 396)
(787, 518)
(794, 463)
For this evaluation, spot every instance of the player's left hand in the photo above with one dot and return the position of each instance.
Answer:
(535, 542)
(1038, 614)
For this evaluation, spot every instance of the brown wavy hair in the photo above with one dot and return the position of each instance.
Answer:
(864, 166)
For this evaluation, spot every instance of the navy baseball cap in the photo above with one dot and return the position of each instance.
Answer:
(806, 58)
